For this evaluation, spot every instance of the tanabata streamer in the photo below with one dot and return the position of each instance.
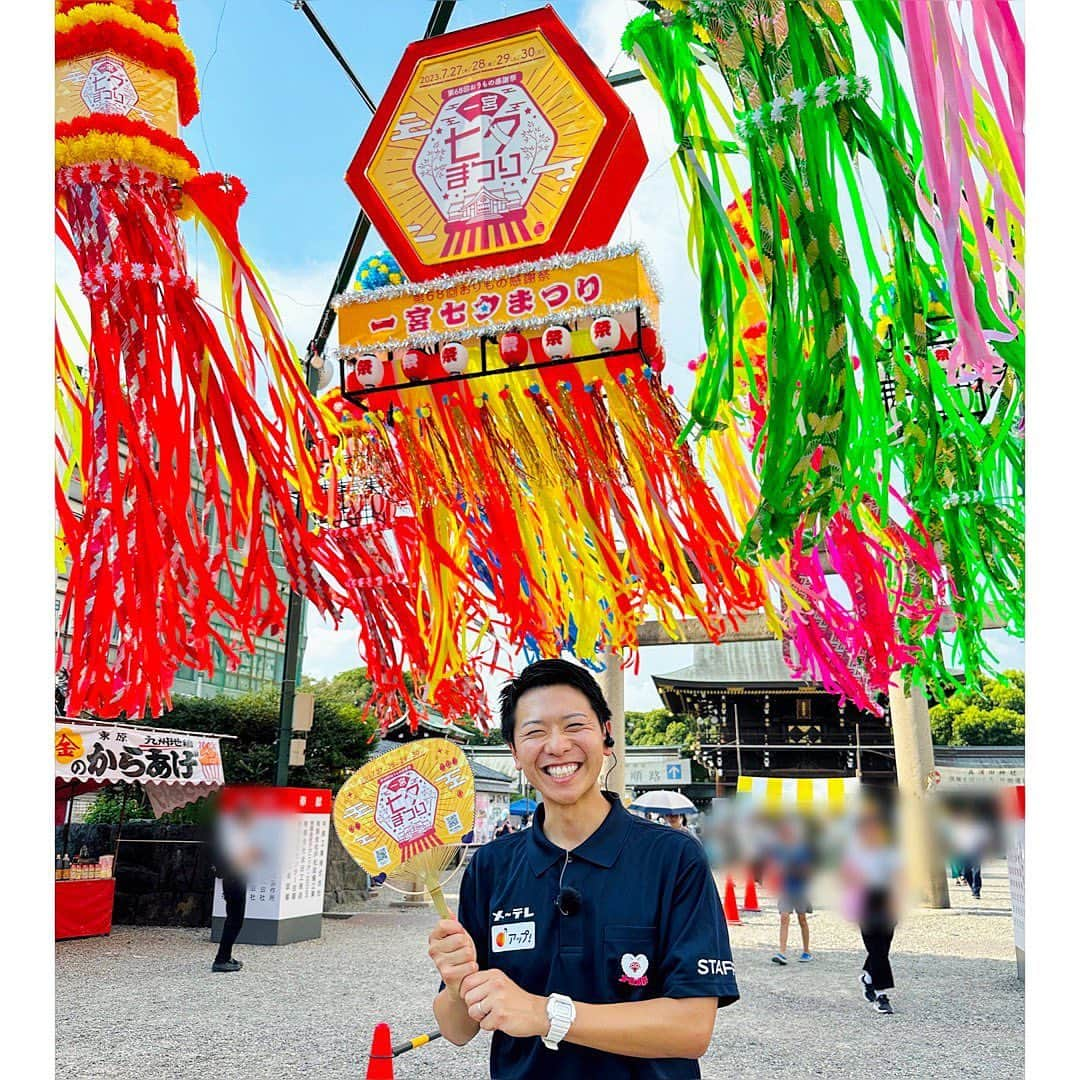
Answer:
(406, 813)
(958, 443)
(803, 123)
(892, 578)
(818, 425)
(553, 505)
(167, 399)
(973, 132)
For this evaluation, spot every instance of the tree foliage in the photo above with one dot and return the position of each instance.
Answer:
(659, 727)
(477, 738)
(992, 717)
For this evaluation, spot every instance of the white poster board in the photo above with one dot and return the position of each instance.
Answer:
(285, 895)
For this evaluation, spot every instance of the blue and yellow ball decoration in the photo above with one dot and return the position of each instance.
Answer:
(377, 271)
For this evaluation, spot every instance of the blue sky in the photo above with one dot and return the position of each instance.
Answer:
(278, 112)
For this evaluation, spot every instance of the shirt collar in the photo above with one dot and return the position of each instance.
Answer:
(601, 848)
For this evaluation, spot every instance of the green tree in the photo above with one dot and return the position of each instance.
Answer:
(647, 728)
(991, 716)
(477, 738)
(660, 727)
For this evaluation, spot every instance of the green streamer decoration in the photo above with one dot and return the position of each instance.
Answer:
(838, 430)
(803, 120)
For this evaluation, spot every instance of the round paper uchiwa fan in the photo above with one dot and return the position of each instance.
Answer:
(404, 814)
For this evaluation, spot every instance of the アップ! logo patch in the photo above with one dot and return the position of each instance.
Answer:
(634, 968)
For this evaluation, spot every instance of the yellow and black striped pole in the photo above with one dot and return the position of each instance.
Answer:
(418, 1041)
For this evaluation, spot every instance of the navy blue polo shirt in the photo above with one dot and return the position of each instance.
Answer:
(650, 926)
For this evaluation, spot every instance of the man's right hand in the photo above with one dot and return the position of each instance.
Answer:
(454, 953)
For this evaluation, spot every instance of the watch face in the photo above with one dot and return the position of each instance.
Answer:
(559, 1010)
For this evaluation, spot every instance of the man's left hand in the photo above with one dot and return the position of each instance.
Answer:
(497, 1003)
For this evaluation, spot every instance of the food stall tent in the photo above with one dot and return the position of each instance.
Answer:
(174, 767)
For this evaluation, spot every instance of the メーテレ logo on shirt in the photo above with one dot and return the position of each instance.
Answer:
(512, 913)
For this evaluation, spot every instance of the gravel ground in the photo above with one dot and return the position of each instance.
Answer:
(143, 1003)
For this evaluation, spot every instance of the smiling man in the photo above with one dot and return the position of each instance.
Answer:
(592, 944)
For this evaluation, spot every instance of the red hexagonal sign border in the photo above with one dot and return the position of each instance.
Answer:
(608, 177)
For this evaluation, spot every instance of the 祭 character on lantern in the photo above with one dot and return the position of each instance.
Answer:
(556, 343)
(650, 964)
(167, 405)
(454, 357)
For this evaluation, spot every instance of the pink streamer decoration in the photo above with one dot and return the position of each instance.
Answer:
(853, 652)
(946, 87)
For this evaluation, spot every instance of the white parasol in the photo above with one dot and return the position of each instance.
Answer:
(664, 802)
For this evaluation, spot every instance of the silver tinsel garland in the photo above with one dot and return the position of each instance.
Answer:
(488, 274)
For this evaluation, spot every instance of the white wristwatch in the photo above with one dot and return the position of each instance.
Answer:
(561, 1014)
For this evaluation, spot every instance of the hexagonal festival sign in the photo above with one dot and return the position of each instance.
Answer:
(496, 144)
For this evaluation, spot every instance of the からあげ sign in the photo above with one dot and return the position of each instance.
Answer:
(108, 755)
(493, 144)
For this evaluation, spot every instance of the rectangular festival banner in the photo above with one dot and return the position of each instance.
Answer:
(116, 85)
(1014, 833)
(106, 754)
(494, 301)
(956, 778)
(285, 891)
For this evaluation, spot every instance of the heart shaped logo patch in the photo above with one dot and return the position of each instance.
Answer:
(634, 969)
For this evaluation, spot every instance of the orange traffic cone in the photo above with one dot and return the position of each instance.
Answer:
(750, 901)
(381, 1059)
(731, 905)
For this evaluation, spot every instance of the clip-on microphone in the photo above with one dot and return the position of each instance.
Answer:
(568, 901)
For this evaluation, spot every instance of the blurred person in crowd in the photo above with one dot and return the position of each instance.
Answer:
(794, 861)
(971, 837)
(678, 821)
(235, 855)
(505, 829)
(951, 813)
(871, 874)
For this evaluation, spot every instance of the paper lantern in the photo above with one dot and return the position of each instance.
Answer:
(414, 365)
(513, 348)
(454, 357)
(605, 333)
(369, 370)
(380, 507)
(556, 343)
(650, 343)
